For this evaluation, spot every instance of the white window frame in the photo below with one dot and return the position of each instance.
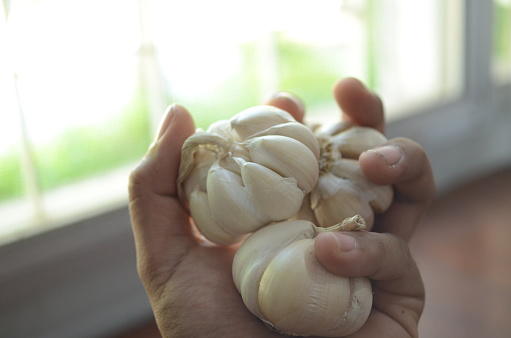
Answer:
(476, 139)
(80, 280)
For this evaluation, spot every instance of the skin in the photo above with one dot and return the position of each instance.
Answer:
(189, 280)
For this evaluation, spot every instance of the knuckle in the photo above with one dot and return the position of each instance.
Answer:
(391, 256)
(401, 255)
(137, 179)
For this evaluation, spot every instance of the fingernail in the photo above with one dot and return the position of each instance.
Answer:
(344, 243)
(390, 154)
(166, 120)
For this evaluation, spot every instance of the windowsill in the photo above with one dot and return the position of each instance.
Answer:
(78, 280)
(64, 205)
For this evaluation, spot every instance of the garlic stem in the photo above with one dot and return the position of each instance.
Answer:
(355, 223)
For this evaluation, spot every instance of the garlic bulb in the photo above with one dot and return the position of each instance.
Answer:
(247, 172)
(264, 173)
(342, 189)
(281, 282)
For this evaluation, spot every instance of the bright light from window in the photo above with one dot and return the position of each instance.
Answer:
(74, 67)
(93, 78)
(408, 51)
(230, 54)
(71, 58)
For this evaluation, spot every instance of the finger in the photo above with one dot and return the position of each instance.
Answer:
(359, 105)
(384, 258)
(398, 290)
(404, 164)
(161, 226)
(289, 103)
(160, 166)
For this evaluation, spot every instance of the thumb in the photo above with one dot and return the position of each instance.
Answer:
(384, 258)
(161, 226)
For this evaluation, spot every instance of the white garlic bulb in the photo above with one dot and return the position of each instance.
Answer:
(247, 172)
(264, 173)
(342, 189)
(281, 282)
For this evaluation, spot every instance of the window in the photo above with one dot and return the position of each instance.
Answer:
(83, 85)
(72, 110)
(83, 95)
(254, 49)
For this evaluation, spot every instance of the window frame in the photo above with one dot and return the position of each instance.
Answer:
(473, 146)
(80, 280)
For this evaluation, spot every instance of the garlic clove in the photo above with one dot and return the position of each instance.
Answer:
(344, 190)
(199, 147)
(305, 212)
(256, 253)
(328, 186)
(222, 128)
(336, 198)
(230, 202)
(349, 169)
(379, 197)
(256, 119)
(355, 140)
(358, 311)
(294, 286)
(198, 174)
(286, 156)
(297, 131)
(201, 214)
(277, 197)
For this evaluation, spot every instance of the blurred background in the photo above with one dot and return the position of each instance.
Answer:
(83, 85)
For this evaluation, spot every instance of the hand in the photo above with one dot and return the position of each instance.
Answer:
(189, 281)
(382, 254)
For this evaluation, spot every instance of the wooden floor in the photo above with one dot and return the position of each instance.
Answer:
(463, 249)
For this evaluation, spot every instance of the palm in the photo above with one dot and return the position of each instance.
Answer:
(391, 314)
(204, 282)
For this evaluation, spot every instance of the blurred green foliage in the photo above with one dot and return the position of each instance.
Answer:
(303, 71)
(308, 72)
(502, 31)
(11, 181)
(82, 152)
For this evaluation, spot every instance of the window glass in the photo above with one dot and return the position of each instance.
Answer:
(502, 41)
(74, 105)
(84, 83)
(415, 52)
(229, 55)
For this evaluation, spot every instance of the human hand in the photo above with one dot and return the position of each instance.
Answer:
(383, 255)
(400, 162)
(189, 280)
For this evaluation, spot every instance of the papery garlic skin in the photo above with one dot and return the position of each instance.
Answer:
(282, 282)
(342, 189)
(247, 172)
